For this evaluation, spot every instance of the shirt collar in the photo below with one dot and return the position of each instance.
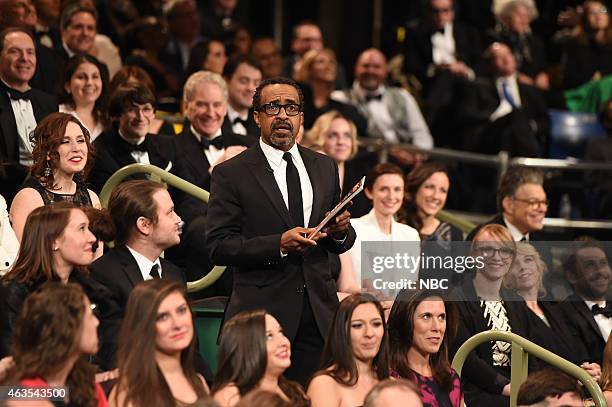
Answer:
(145, 265)
(590, 304)
(362, 93)
(516, 234)
(200, 136)
(232, 114)
(275, 155)
(70, 52)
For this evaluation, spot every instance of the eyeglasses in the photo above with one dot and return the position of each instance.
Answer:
(146, 110)
(600, 10)
(488, 251)
(272, 109)
(534, 203)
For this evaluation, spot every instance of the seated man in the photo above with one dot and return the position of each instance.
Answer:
(267, 54)
(550, 388)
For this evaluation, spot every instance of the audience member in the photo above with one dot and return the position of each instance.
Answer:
(256, 220)
(207, 55)
(242, 75)
(336, 136)
(256, 398)
(54, 335)
(392, 113)
(184, 31)
(63, 158)
(158, 323)
(586, 311)
(221, 18)
(9, 245)
(253, 354)
(483, 305)
(606, 372)
(21, 106)
(47, 24)
(267, 53)
(145, 225)
(384, 186)
(422, 326)
(355, 354)
(550, 388)
(393, 393)
(240, 43)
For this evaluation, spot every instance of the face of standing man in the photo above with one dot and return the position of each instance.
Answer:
(279, 115)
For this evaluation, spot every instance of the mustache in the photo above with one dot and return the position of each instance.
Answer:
(282, 124)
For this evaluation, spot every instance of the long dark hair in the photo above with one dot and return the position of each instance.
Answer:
(401, 331)
(414, 180)
(47, 335)
(338, 360)
(141, 379)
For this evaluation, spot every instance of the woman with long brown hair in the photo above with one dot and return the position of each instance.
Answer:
(158, 324)
(253, 354)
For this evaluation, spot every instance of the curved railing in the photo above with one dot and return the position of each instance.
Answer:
(521, 348)
(177, 182)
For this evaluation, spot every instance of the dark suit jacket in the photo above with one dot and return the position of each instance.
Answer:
(246, 217)
(252, 131)
(499, 220)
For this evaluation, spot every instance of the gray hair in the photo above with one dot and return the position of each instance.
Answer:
(201, 77)
(371, 398)
(504, 12)
(514, 178)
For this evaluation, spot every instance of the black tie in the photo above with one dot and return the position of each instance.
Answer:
(294, 190)
(370, 98)
(241, 121)
(142, 147)
(155, 272)
(605, 311)
(16, 95)
(217, 142)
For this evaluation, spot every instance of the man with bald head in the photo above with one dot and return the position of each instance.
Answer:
(392, 112)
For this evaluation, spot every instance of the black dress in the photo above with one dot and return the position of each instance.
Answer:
(80, 197)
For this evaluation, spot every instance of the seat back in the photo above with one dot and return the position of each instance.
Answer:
(570, 132)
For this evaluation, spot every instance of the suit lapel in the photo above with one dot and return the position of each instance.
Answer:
(9, 127)
(194, 152)
(129, 266)
(310, 162)
(121, 155)
(583, 310)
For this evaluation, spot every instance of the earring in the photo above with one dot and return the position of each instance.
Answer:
(55, 249)
(47, 172)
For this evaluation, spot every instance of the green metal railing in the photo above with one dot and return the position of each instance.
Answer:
(521, 348)
(176, 182)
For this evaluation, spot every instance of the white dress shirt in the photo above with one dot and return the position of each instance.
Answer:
(145, 265)
(516, 234)
(237, 128)
(443, 46)
(26, 123)
(212, 153)
(604, 323)
(141, 157)
(505, 107)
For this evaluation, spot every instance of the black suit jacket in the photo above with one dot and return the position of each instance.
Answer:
(499, 220)
(246, 217)
(252, 131)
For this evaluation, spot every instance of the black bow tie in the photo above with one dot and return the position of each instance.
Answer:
(605, 311)
(217, 142)
(142, 147)
(241, 121)
(369, 98)
(14, 94)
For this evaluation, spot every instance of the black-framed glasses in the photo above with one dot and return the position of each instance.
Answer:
(489, 251)
(272, 109)
(534, 203)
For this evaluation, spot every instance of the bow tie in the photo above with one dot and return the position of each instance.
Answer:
(14, 94)
(241, 121)
(142, 147)
(605, 311)
(369, 98)
(217, 142)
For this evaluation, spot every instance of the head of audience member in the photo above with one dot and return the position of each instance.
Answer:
(265, 51)
(207, 56)
(606, 368)
(62, 149)
(53, 337)
(517, 15)
(259, 397)
(144, 218)
(426, 191)
(205, 98)
(18, 13)
(526, 275)
(587, 269)
(183, 21)
(522, 199)
(131, 110)
(594, 24)
(131, 74)
(158, 322)
(371, 69)
(494, 245)
(358, 333)
(56, 241)
(385, 187)
(550, 388)
(78, 28)
(242, 75)
(336, 134)
(318, 66)
(306, 36)
(147, 33)
(422, 325)
(500, 59)
(86, 84)
(440, 13)
(48, 11)
(240, 42)
(605, 116)
(17, 58)
(393, 393)
(253, 348)
(278, 106)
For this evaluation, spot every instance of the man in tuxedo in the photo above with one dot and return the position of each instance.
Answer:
(146, 225)
(588, 312)
(21, 107)
(242, 75)
(204, 141)
(263, 204)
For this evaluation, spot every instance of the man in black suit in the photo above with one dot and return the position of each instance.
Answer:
(242, 75)
(588, 312)
(146, 225)
(21, 107)
(260, 202)
(204, 141)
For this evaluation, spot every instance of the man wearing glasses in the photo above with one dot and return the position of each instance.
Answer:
(523, 204)
(263, 204)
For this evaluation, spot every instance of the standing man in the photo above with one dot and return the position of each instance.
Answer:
(21, 107)
(263, 204)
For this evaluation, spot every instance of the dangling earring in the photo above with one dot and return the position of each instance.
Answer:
(47, 172)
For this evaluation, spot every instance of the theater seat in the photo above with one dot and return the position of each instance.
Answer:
(208, 315)
(570, 132)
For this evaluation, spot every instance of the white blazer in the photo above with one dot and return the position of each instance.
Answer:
(9, 245)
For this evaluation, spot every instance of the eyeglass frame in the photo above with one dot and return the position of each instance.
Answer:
(136, 110)
(263, 108)
(498, 250)
(533, 203)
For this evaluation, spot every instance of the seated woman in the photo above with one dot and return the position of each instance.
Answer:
(85, 93)
(355, 354)
(63, 157)
(207, 56)
(421, 328)
(9, 246)
(57, 245)
(55, 334)
(385, 188)
(484, 305)
(606, 373)
(253, 354)
(158, 323)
